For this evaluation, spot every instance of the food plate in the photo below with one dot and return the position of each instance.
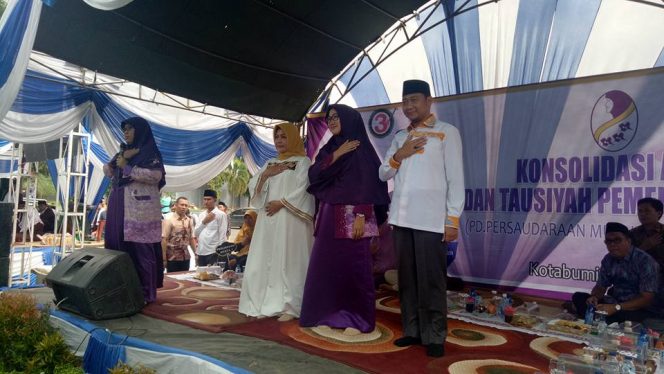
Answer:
(525, 320)
(205, 276)
(570, 327)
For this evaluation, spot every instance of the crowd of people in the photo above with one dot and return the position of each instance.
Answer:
(309, 249)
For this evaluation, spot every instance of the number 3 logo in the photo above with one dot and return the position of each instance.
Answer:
(381, 123)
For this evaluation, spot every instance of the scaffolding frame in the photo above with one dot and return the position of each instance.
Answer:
(24, 171)
(73, 166)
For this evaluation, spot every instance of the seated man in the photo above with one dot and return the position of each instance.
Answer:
(47, 216)
(632, 275)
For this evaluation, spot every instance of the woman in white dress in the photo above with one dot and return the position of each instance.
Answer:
(276, 268)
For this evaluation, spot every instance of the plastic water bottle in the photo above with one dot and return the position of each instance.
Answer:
(601, 323)
(590, 313)
(612, 364)
(628, 366)
(556, 366)
(500, 311)
(499, 308)
(533, 308)
(612, 357)
(508, 301)
(642, 344)
(470, 301)
(495, 300)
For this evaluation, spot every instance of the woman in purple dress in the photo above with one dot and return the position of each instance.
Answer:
(133, 219)
(352, 203)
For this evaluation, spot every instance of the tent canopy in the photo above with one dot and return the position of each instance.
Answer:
(463, 46)
(269, 58)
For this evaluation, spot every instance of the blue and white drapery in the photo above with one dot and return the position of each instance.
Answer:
(48, 107)
(6, 166)
(507, 43)
(18, 27)
(101, 346)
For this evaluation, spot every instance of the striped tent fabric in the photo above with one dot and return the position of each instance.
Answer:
(463, 46)
(195, 146)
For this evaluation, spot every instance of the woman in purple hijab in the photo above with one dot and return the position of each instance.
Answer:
(133, 219)
(352, 203)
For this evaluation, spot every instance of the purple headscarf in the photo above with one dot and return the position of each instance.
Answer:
(353, 178)
(149, 156)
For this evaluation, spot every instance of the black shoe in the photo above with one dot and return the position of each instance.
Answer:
(406, 341)
(435, 350)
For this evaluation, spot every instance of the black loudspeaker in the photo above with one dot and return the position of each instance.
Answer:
(4, 188)
(4, 271)
(97, 283)
(6, 211)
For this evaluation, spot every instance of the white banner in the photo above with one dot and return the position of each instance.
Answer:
(546, 166)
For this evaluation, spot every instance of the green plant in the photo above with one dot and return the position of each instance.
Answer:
(122, 368)
(51, 352)
(21, 328)
(68, 369)
(29, 343)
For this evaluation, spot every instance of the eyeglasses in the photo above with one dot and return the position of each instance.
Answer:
(334, 117)
(613, 241)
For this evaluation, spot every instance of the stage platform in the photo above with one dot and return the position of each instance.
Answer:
(176, 348)
(194, 327)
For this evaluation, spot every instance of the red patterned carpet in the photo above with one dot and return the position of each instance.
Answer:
(192, 304)
(469, 348)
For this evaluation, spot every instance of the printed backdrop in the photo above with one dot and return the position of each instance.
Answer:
(546, 166)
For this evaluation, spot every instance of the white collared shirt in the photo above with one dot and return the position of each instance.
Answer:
(213, 233)
(429, 186)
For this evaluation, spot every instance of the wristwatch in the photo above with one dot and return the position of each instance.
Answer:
(618, 307)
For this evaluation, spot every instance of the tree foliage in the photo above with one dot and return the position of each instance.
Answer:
(45, 187)
(236, 176)
(3, 6)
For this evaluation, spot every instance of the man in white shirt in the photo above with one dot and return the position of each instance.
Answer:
(224, 208)
(425, 161)
(210, 229)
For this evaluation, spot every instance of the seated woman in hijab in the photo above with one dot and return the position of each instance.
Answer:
(243, 240)
(133, 219)
(352, 204)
